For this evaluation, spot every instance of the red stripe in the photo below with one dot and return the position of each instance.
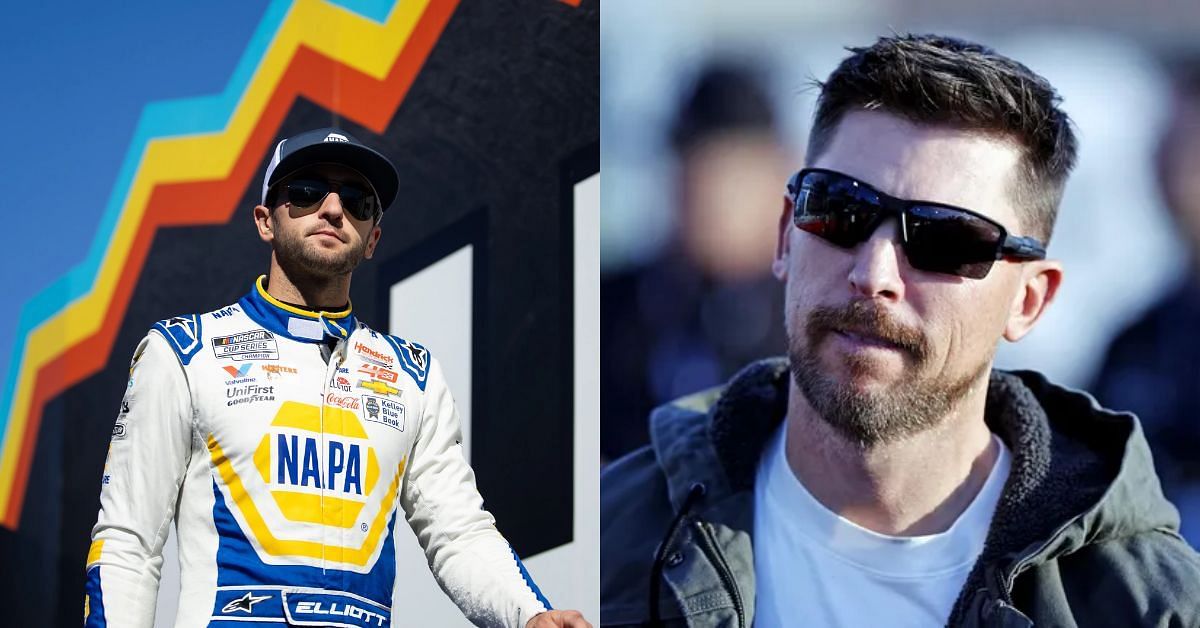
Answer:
(338, 88)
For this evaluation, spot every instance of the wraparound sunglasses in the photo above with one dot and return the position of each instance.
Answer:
(935, 237)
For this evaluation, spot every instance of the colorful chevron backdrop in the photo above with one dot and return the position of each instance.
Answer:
(192, 164)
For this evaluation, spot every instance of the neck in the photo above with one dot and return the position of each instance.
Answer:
(914, 486)
(308, 291)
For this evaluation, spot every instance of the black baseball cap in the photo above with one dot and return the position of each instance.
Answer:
(335, 146)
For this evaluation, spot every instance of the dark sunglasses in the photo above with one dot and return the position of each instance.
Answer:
(937, 238)
(357, 200)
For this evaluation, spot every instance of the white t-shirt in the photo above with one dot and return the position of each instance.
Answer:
(816, 568)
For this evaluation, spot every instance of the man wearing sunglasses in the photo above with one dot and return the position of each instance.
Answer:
(285, 438)
(883, 474)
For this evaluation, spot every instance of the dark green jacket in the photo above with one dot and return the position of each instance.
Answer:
(1082, 535)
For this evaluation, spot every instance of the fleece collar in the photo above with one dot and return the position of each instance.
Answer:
(1080, 474)
(293, 322)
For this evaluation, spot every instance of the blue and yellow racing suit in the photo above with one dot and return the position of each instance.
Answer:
(283, 444)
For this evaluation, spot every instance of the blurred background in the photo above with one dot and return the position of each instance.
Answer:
(704, 111)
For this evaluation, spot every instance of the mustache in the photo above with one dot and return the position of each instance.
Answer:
(866, 318)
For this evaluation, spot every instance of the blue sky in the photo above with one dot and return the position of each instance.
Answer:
(77, 81)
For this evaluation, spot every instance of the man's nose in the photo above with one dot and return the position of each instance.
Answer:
(331, 206)
(877, 264)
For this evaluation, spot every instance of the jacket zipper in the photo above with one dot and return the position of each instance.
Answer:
(1009, 579)
(709, 546)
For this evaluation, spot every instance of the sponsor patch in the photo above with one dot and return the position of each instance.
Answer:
(349, 402)
(226, 311)
(240, 375)
(379, 373)
(258, 344)
(275, 370)
(237, 372)
(384, 411)
(341, 383)
(238, 603)
(119, 431)
(333, 609)
(379, 388)
(251, 393)
(375, 357)
(245, 603)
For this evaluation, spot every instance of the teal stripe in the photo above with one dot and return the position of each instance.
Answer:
(172, 118)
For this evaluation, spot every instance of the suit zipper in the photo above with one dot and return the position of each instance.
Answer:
(331, 367)
(324, 456)
(709, 546)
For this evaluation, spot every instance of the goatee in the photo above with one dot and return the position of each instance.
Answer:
(298, 258)
(915, 403)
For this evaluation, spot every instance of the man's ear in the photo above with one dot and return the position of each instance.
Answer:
(1039, 284)
(262, 222)
(782, 242)
(372, 241)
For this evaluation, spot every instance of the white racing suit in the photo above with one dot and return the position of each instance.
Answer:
(283, 459)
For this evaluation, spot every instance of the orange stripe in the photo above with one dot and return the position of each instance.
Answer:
(361, 98)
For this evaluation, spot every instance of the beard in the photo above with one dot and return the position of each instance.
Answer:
(301, 260)
(870, 418)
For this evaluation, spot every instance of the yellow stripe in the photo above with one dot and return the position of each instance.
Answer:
(312, 508)
(341, 330)
(288, 547)
(94, 551)
(372, 471)
(303, 416)
(262, 458)
(339, 34)
(262, 292)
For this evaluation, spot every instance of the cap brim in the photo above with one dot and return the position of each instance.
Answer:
(373, 165)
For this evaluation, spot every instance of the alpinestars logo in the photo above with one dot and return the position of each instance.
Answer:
(245, 603)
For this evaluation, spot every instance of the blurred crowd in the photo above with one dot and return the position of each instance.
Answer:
(1152, 367)
(704, 304)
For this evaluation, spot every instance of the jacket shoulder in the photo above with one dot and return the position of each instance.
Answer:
(185, 333)
(411, 357)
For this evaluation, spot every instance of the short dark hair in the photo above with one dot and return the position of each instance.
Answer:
(932, 79)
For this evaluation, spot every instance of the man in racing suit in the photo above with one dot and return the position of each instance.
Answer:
(282, 435)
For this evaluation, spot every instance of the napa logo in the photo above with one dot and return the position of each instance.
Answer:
(316, 476)
(343, 464)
